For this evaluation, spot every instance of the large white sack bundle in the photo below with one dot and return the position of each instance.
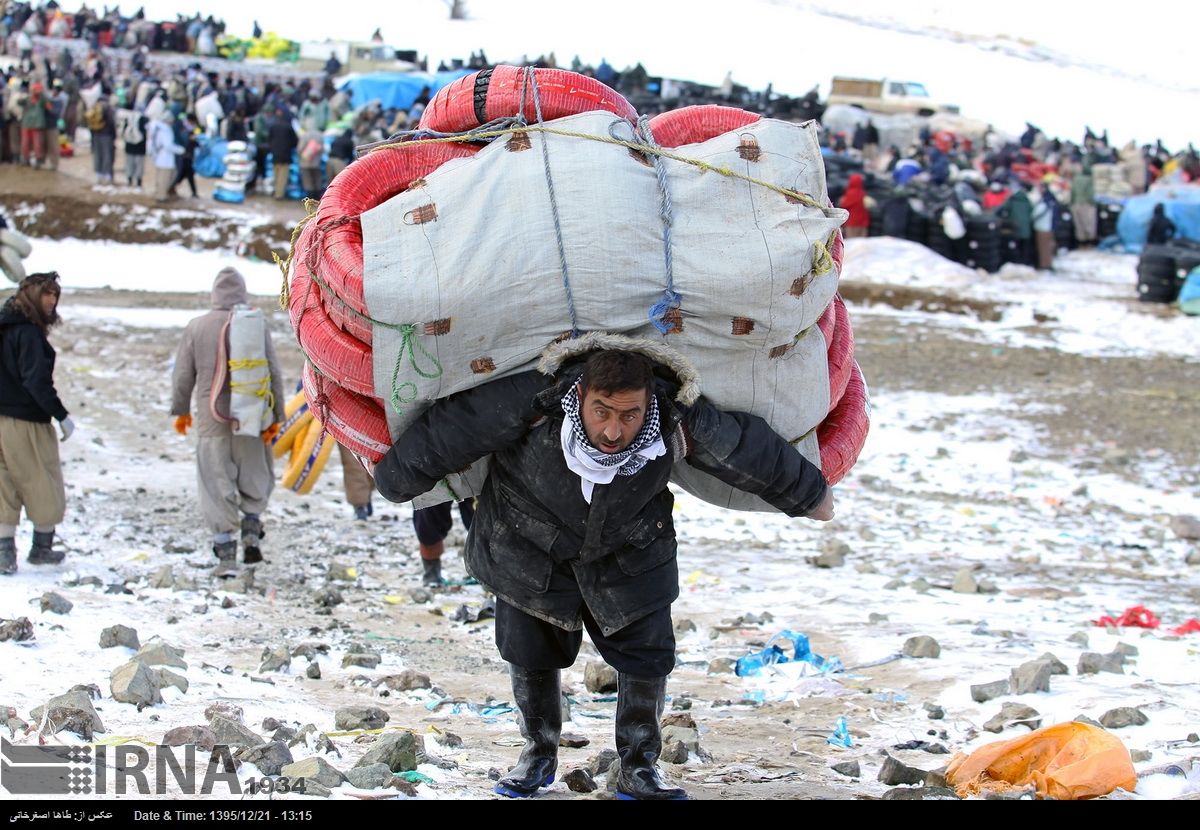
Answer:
(470, 264)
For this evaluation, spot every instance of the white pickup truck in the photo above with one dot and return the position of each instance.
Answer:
(886, 95)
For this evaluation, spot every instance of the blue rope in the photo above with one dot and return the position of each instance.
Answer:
(562, 249)
(671, 299)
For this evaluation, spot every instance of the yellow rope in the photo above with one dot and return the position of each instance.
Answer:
(260, 388)
(631, 145)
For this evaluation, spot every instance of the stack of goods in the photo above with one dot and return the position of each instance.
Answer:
(239, 168)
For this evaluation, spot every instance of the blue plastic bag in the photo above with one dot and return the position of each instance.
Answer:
(1189, 294)
(752, 664)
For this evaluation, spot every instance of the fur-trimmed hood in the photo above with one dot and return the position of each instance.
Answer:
(557, 354)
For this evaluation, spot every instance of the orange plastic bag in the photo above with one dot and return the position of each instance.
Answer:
(1068, 761)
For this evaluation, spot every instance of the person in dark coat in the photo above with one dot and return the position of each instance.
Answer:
(282, 141)
(30, 471)
(573, 528)
(1162, 229)
(1018, 212)
(854, 200)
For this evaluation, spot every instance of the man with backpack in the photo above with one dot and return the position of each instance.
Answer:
(134, 136)
(102, 123)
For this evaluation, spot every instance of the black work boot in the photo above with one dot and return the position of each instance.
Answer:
(8, 556)
(226, 553)
(539, 699)
(42, 552)
(639, 740)
(252, 534)
(431, 563)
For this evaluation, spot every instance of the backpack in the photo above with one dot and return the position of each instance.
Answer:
(132, 134)
(95, 117)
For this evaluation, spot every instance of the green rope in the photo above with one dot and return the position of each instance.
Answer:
(405, 393)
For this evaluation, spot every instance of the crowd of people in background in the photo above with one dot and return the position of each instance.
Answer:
(67, 88)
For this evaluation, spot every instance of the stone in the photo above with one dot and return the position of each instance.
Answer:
(243, 583)
(420, 596)
(1193, 557)
(722, 665)
(200, 736)
(370, 777)
(684, 626)
(343, 573)
(894, 584)
(164, 577)
(360, 717)
(600, 763)
(134, 682)
(270, 758)
(1123, 716)
(600, 678)
(313, 672)
(18, 630)
(1056, 666)
(682, 719)
(921, 585)
(1088, 721)
(225, 709)
(610, 777)
(1125, 650)
(964, 582)
(56, 603)
(1092, 663)
(450, 740)
(572, 741)
(316, 789)
(937, 778)
(406, 681)
(850, 769)
(231, 733)
(876, 619)
(673, 752)
(329, 598)
(1185, 527)
(1012, 714)
(275, 659)
(314, 771)
(119, 635)
(398, 750)
(1079, 638)
(1030, 678)
(369, 660)
(1140, 756)
(166, 677)
(690, 738)
(934, 712)
(984, 692)
(986, 586)
(833, 554)
(72, 712)
(920, 794)
(894, 772)
(921, 647)
(285, 734)
(580, 781)
(227, 603)
(158, 653)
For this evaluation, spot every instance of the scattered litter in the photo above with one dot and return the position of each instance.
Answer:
(752, 664)
(841, 735)
(1139, 616)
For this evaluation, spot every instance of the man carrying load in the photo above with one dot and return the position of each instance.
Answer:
(227, 358)
(573, 528)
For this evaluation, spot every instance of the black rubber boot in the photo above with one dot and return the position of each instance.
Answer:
(432, 576)
(8, 556)
(539, 699)
(639, 740)
(42, 552)
(252, 534)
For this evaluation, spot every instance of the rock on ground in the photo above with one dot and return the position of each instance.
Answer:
(119, 635)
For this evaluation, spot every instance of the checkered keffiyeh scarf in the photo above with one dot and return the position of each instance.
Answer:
(596, 466)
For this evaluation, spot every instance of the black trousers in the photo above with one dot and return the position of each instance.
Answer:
(433, 524)
(645, 648)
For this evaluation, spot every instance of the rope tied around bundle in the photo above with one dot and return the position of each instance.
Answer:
(260, 388)
(410, 345)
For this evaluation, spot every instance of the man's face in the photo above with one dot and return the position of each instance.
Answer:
(49, 303)
(613, 419)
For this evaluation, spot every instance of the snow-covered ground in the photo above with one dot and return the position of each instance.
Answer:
(946, 482)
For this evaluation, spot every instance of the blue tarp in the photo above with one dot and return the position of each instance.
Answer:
(398, 89)
(1182, 207)
(210, 157)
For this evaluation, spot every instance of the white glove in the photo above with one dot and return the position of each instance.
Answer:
(67, 426)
